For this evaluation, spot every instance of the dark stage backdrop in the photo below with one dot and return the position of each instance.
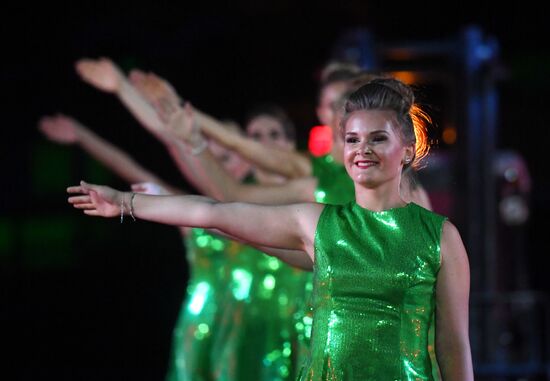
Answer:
(91, 299)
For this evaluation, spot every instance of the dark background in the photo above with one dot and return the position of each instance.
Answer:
(92, 299)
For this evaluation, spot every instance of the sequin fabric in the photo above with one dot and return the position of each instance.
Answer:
(374, 294)
(334, 186)
(194, 332)
(244, 316)
(262, 327)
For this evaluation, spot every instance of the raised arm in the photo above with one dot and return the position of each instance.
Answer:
(290, 164)
(452, 293)
(289, 227)
(160, 92)
(66, 130)
(106, 76)
(216, 182)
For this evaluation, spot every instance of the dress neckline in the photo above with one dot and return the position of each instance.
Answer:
(386, 211)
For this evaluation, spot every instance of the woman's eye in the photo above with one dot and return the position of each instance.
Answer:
(274, 135)
(351, 140)
(377, 139)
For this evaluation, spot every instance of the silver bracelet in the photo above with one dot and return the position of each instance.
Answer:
(122, 208)
(200, 148)
(132, 206)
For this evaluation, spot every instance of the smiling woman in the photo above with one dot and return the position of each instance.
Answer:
(388, 268)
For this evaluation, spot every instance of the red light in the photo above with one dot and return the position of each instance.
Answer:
(320, 140)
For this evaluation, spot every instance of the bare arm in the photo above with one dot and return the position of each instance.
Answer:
(216, 182)
(296, 258)
(220, 185)
(289, 227)
(290, 164)
(452, 293)
(66, 130)
(106, 76)
(160, 92)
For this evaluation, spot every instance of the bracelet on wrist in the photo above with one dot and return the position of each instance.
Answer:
(197, 150)
(132, 206)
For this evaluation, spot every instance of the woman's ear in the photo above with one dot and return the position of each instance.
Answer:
(409, 154)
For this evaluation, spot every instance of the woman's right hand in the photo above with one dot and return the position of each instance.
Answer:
(60, 128)
(96, 200)
(102, 74)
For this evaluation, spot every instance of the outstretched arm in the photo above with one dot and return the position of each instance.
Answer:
(66, 130)
(106, 76)
(290, 164)
(158, 189)
(452, 297)
(161, 93)
(285, 226)
(216, 182)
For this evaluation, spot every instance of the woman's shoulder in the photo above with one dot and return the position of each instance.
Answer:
(423, 210)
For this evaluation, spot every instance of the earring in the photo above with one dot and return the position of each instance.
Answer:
(406, 161)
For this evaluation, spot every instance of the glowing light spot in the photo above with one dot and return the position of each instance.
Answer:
(199, 297)
(203, 241)
(320, 140)
(283, 371)
(269, 282)
(342, 242)
(320, 195)
(283, 300)
(449, 135)
(273, 263)
(217, 244)
(242, 280)
(287, 351)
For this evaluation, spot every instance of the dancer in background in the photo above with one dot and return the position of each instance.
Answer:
(321, 179)
(206, 253)
(254, 279)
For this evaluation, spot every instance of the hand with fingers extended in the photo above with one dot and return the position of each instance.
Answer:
(60, 128)
(101, 73)
(158, 91)
(96, 200)
(150, 188)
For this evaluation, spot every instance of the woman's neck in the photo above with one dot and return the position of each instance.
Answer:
(380, 198)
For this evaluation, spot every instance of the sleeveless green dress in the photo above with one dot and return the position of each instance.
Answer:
(259, 331)
(243, 315)
(334, 186)
(374, 294)
(194, 332)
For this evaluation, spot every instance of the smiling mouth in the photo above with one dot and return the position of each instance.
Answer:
(365, 163)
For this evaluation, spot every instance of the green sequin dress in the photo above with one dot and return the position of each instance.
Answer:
(194, 332)
(334, 186)
(244, 316)
(374, 294)
(261, 324)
